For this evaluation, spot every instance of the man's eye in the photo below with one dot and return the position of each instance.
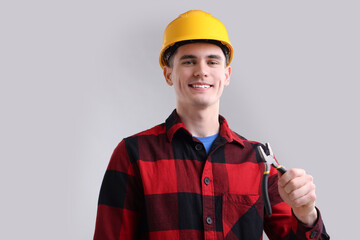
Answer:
(189, 62)
(213, 62)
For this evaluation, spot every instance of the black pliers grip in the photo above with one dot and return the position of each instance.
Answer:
(269, 159)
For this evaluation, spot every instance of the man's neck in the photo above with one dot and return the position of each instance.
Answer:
(200, 122)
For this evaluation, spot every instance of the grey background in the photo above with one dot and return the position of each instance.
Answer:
(78, 76)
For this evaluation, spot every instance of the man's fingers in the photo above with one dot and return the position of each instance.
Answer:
(303, 195)
(289, 175)
(297, 183)
(298, 187)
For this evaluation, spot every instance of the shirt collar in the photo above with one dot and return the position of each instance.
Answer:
(173, 124)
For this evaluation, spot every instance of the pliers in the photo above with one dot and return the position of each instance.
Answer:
(268, 161)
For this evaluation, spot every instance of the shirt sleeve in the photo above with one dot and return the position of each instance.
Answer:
(283, 224)
(120, 199)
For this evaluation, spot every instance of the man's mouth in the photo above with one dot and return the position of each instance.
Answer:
(200, 85)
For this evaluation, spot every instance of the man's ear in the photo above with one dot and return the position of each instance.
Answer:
(227, 75)
(167, 74)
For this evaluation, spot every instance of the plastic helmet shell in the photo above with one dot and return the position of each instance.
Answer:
(194, 25)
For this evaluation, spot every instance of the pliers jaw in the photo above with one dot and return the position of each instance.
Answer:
(269, 160)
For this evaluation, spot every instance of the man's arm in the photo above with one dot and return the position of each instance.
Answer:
(285, 223)
(297, 189)
(120, 199)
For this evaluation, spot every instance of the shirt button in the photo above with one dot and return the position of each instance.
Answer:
(313, 234)
(209, 220)
(198, 147)
(207, 181)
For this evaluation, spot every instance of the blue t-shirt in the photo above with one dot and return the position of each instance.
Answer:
(207, 141)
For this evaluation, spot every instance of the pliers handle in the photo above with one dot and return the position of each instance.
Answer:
(269, 159)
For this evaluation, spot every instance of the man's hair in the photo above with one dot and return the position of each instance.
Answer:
(170, 52)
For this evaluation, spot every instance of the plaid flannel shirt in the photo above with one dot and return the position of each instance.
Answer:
(161, 184)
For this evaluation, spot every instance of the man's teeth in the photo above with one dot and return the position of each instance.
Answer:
(200, 86)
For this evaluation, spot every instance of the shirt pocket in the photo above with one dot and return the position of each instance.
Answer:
(242, 216)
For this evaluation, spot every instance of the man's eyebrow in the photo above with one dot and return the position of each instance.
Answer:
(188, 56)
(215, 56)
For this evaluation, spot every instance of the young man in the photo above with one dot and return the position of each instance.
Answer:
(192, 177)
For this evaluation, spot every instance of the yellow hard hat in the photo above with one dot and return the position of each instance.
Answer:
(194, 25)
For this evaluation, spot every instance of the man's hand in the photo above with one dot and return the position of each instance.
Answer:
(297, 189)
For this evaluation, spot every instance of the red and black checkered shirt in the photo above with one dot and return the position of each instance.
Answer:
(161, 184)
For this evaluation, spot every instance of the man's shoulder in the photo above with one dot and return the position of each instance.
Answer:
(232, 135)
(154, 131)
(131, 143)
(244, 140)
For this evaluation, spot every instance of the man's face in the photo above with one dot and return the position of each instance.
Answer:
(198, 74)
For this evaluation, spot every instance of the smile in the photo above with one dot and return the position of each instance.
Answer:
(199, 86)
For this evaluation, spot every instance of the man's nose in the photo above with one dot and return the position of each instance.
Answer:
(201, 70)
